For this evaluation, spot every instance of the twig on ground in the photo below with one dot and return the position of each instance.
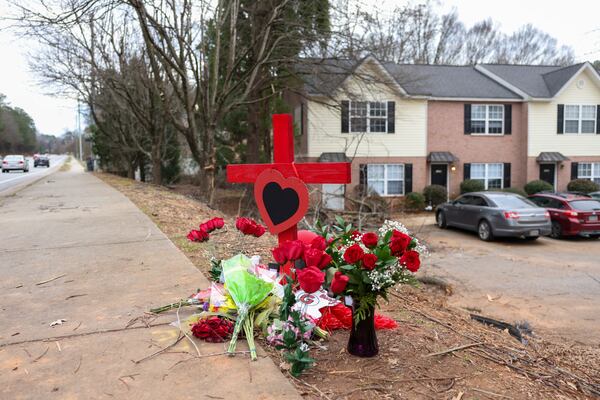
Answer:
(41, 355)
(185, 333)
(453, 349)
(362, 388)
(179, 338)
(78, 365)
(50, 280)
(491, 393)
(313, 387)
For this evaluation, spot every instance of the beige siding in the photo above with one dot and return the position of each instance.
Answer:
(324, 125)
(543, 120)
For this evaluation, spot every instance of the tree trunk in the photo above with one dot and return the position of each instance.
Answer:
(254, 137)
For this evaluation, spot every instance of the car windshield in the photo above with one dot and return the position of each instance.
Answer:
(13, 158)
(585, 205)
(512, 202)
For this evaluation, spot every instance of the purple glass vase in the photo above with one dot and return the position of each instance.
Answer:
(363, 339)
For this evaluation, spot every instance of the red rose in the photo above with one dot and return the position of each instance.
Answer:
(218, 222)
(249, 227)
(319, 243)
(310, 279)
(279, 255)
(316, 257)
(197, 235)
(410, 259)
(339, 283)
(399, 242)
(355, 234)
(242, 224)
(353, 254)
(368, 261)
(325, 261)
(258, 230)
(213, 329)
(294, 249)
(370, 239)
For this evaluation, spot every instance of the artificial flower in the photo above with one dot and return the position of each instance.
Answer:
(368, 261)
(369, 239)
(213, 329)
(212, 224)
(353, 254)
(310, 279)
(339, 282)
(197, 235)
(410, 259)
(249, 226)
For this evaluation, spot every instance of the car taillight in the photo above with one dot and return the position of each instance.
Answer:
(547, 215)
(20, 162)
(571, 213)
(511, 215)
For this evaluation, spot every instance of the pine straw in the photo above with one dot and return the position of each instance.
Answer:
(478, 361)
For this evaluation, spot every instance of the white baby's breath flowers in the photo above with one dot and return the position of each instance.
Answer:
(304, 347)
(399, 226)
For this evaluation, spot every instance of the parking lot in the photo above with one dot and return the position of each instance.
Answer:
(552, 284)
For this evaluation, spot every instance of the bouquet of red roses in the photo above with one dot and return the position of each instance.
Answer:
(366, 265)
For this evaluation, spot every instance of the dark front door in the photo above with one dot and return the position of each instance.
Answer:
(547, 172)
(439, 174)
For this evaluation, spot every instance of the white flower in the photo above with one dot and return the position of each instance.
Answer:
(304, 347)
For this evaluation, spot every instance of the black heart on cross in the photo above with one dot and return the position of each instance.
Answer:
(281, 204)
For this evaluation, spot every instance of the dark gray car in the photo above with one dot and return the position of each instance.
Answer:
(495, 214)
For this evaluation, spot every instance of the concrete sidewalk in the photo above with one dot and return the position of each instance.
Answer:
(106, 264)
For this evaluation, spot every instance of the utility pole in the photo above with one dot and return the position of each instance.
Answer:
(79, 129)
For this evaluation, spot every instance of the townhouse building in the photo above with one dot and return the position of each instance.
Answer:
(404, 127)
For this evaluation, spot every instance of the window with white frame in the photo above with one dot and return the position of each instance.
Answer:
(580, 118)
(589, 171)
(386, 179)
(368, 116)
(487, 119)
(491, 175)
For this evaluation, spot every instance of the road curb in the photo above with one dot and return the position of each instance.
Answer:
(11, 191)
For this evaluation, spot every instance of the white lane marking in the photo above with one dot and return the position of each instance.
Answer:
(30, 174)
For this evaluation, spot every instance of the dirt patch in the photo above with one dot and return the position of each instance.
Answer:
(494, 365)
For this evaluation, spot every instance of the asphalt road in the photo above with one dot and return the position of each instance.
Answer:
(552, 284)
(15, 179)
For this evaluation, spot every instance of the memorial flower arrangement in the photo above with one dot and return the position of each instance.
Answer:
(328, 279)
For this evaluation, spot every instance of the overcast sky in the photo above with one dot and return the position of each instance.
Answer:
(574, 23)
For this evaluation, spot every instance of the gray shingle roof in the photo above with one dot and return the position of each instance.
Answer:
(445, 81)
(551, 156)
(535, 80)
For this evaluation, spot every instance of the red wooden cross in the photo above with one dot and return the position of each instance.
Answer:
(283, 161)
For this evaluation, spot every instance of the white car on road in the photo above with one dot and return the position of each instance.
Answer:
(15, 163)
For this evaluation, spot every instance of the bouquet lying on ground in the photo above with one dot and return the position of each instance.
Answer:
(295, 308)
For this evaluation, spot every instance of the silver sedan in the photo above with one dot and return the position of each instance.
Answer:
(495, 214)
(15, 163)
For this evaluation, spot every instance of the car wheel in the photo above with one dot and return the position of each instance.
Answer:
(595, 236)
(440, 219)
(556, 232)
(484, 230)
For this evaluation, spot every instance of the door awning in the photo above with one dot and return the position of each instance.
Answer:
(551, 156)
(441, 157)
(333, 157)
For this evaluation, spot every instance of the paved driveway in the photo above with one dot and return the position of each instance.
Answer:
(553, 284)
